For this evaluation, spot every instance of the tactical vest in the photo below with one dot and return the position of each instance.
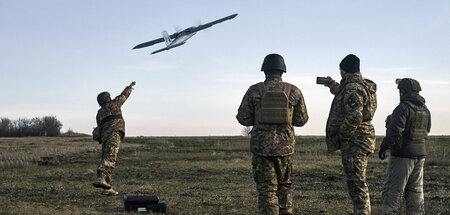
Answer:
(417, 130)
(412, 142)
(274, 107)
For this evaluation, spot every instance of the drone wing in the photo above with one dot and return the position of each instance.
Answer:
(149, 43)
(191, 30)
(167, 48)
(153, 42)
(207, 25)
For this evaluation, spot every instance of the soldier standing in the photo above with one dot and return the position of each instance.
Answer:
(349, 128)
(112, 130)
(273, 107)
(407, 129)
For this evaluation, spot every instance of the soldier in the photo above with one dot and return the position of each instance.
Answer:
(407, 129)
(273, 107)
(349, 128)
(112, 130)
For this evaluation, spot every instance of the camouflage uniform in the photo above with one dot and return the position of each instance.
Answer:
(349, 128)
(272, 146)
(112, 131)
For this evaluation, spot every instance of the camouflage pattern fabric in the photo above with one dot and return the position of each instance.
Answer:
(404, 177)
(113, 108)
(272, 139)
(272, 146)
(110, 148)
(273, 183)
(354, 160)
(350, 129)
(351, 113)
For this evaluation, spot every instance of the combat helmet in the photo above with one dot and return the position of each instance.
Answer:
(273, 62)
(101, 98)
(408, 85)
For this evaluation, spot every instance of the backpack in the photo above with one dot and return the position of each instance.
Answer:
(274, 107)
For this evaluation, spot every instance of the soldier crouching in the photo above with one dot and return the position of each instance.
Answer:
(273, 107)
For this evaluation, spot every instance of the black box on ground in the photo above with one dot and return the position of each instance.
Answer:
(143, 203)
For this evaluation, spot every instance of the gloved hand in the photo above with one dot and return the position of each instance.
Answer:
(382, 153)
(132, 85)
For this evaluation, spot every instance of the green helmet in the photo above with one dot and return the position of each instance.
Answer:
(101, 98)
(273, 62)
(408, 85)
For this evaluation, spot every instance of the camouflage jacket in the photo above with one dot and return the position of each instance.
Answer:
(351, 113)
(272, 139)
(113, 108)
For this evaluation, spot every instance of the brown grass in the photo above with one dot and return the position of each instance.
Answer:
(193, 175)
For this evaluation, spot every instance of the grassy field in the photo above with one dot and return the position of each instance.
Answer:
(192, 175)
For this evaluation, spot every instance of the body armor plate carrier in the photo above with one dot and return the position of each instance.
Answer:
(274, 107)
(417, 131)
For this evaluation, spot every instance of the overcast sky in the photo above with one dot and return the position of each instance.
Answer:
(56, 56)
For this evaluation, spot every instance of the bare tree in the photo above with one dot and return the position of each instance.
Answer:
(52, 126)
(45, 126)
(246, 130)
(5, 125)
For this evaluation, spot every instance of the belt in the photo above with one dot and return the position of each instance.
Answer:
(109, 118)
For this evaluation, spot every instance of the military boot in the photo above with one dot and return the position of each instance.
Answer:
(110, 192)
(101, 183)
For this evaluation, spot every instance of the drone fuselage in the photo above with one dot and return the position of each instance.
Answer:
(181, 38)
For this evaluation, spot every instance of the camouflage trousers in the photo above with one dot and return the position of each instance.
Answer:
(354, 160)
(404, 176)
(110, 148)
(273, 183)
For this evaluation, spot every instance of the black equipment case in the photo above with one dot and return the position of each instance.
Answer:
(143, 203)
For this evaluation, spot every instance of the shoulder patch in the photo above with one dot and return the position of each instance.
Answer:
(352, 102)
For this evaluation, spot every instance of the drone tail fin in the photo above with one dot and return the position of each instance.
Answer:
(166, 37)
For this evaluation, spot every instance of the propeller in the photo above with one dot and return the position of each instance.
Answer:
(177, 28)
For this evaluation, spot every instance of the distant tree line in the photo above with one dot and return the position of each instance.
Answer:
(45, 126)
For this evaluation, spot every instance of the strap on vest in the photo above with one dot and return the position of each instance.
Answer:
(286, 89)
(109, 118)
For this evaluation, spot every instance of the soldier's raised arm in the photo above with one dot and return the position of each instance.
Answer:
(120, 99)
(333, 85)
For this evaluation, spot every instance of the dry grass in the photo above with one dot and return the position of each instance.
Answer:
(193, 175)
